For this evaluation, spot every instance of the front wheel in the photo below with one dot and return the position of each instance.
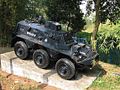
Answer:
(65, 68)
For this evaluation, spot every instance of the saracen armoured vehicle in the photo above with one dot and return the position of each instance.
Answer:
(48, 42)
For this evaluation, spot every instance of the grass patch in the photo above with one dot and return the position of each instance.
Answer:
(107, 83)
(108, 80)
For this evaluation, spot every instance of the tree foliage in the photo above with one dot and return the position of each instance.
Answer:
(109, 9)
(104, 9)
(108, 43)
(12, 11)
(109, 37)
(16, 10)
(67, 12)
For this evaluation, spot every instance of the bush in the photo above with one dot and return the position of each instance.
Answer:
(84, 35)
(108, 43)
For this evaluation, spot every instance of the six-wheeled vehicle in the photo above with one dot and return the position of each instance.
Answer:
(48, 42)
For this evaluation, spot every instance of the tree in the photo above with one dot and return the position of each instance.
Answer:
(35, 7)
(66, 11)
(97, 18)
(104, 9)
(12, 11)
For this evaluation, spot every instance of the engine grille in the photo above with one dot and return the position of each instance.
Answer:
(87, 50)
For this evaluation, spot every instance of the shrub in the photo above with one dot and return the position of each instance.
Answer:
(84, 35)
(108, 42)
(109, 38)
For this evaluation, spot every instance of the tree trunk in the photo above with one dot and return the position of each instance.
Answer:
(97, 23)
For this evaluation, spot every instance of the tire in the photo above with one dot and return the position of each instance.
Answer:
(41, 58)
(65, 68)
(21, 50)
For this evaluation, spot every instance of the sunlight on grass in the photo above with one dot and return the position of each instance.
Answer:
(107, 81)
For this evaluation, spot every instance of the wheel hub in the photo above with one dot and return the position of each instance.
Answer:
(39, 59)
(63, 70)
(20, 51)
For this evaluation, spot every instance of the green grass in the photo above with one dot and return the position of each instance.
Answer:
(107, 81)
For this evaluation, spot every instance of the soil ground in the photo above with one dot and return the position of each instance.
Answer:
(12, 82)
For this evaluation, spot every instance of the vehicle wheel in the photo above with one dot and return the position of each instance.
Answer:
(41, 58)
(21, 50)
(65, 68)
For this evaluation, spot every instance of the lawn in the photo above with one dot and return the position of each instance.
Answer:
(109, 79)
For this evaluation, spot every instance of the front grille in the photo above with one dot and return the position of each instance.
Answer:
(86, 50)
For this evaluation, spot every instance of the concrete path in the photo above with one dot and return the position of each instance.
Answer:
(26, 68)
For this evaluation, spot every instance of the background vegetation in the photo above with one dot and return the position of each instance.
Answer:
(69, 14)
(12, 11)
(109, 43)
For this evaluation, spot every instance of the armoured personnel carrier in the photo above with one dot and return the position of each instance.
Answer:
(48, 42)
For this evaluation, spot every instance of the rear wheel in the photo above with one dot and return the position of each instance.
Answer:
(65, 68)
(21, 50)
(41, 58)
